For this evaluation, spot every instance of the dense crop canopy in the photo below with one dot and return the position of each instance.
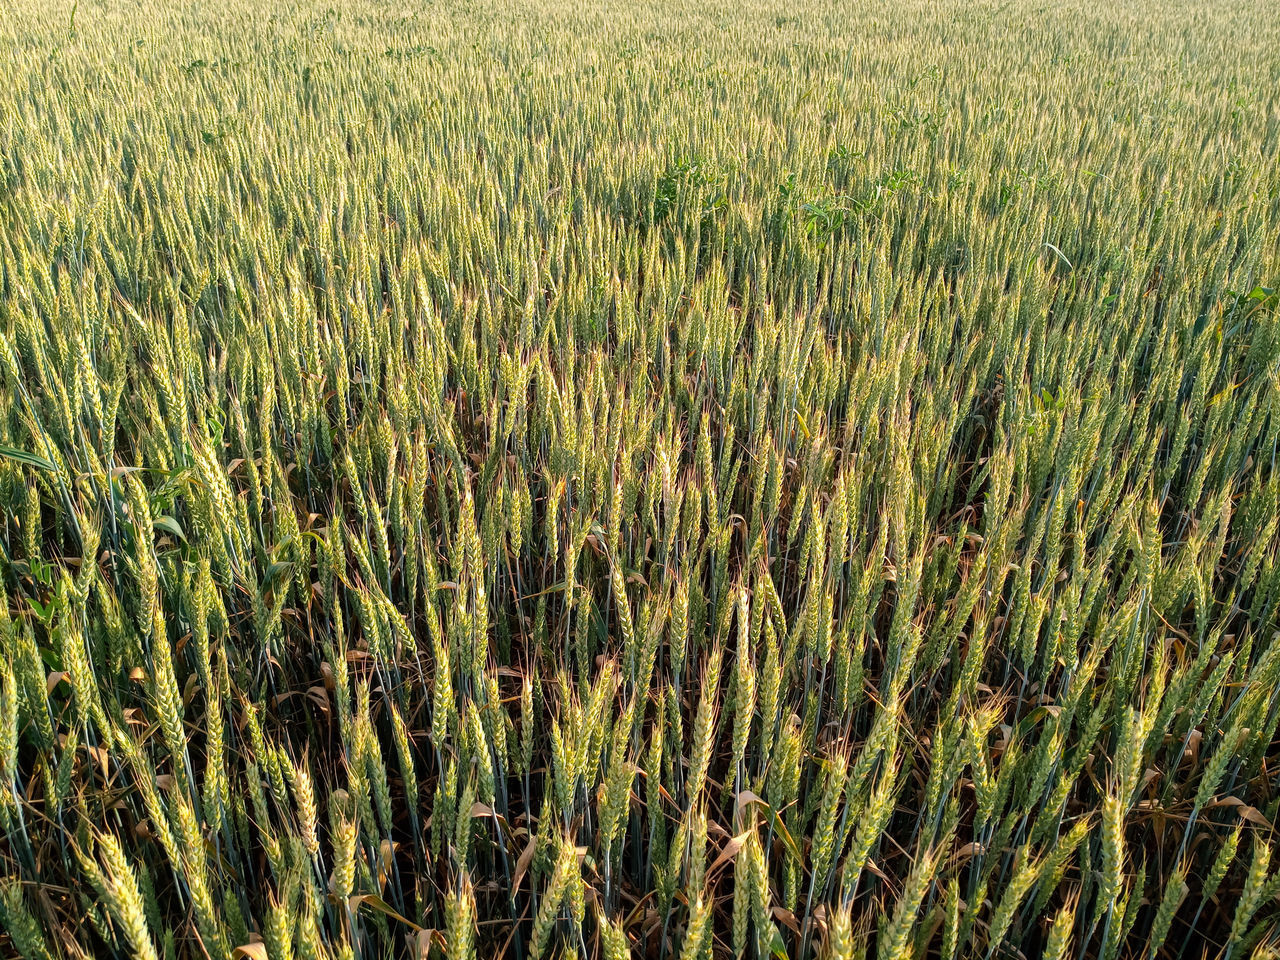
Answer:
(681, 480)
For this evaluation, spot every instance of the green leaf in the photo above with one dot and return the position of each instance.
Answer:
(30, 459)
(1034, 717)
(170, 525)
(277, 573)
(777, 946)
(775, 821)
(43, 611)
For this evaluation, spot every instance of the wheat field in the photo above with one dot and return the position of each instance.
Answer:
(679, 480)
